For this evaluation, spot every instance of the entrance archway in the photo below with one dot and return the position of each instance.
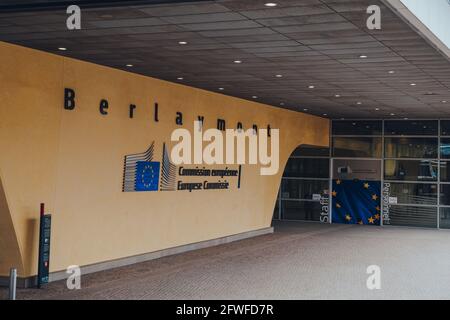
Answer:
(304, 188)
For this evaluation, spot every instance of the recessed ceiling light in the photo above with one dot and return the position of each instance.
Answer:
(359, 103)
(270, 4)
(255, 97)
(311, 87)
(413, 84)
(392, 114)
(279, 76)
(62, 49)
(337, 95)
(391, 72)
(180, 78)
(237, 61)
(305, 109)
(182, 42)
(281, 103)
(377, 109)
(444, 101)
(405, 118)
(325, 114)
(129, 65)
(363, 56)
(221, 89)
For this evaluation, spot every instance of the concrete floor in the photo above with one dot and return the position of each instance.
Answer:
(299, 261)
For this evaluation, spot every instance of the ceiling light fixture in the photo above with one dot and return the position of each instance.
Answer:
(221, 89)
(281, 103)
(392, 114)
(237, 61)
(413, 84)
(180, 78)
(363, 56)
(391, 72)
(444, 101)
(270, 4)
(62, 49)
(311, 87)
(182, 42)
(279, 76)
(255, 97)
(305, 109)
(377, 109)
(337, 95)
(359, 103)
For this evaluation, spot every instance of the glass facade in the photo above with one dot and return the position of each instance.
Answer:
(444, 173)
(403, 147)
(415, 157)
(357, 147)
(411, 170)
(411, 128)
(304, 184)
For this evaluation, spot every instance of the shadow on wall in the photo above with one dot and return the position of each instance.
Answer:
(9, 247)
(31, 240)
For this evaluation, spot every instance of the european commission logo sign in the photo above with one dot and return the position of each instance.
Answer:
(147, 176)
(142, 173)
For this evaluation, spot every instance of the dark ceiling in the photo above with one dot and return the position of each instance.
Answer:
(308, 42)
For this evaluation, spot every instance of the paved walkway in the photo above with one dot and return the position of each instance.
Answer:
(299, 261)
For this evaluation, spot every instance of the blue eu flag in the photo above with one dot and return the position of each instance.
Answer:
(356, 202)
(147, 176)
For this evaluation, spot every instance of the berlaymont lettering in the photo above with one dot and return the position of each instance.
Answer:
(143, 173)
(70, 104)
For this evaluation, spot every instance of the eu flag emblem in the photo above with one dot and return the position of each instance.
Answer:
(147, 176)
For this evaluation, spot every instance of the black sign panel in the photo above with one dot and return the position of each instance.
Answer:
(44, 249)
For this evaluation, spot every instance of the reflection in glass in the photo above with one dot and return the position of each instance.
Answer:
(311, 151)
(357, 128)
(411, 128)
(414, 193)
(302, 189)
(307, 168)
(411, 170)
(444, 222)
(359, 147)
(445, 194)
(301, 210)
(445, 148)
(411, 216)
(445, 127)
(445, 171)
(411, 148)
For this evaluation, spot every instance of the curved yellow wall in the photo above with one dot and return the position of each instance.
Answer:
(73, 162)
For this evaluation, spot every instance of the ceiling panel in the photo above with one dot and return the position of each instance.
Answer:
(314, 46)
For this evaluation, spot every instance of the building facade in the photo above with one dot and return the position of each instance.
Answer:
(406, 161)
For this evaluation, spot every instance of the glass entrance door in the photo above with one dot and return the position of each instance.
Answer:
(356, 192)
